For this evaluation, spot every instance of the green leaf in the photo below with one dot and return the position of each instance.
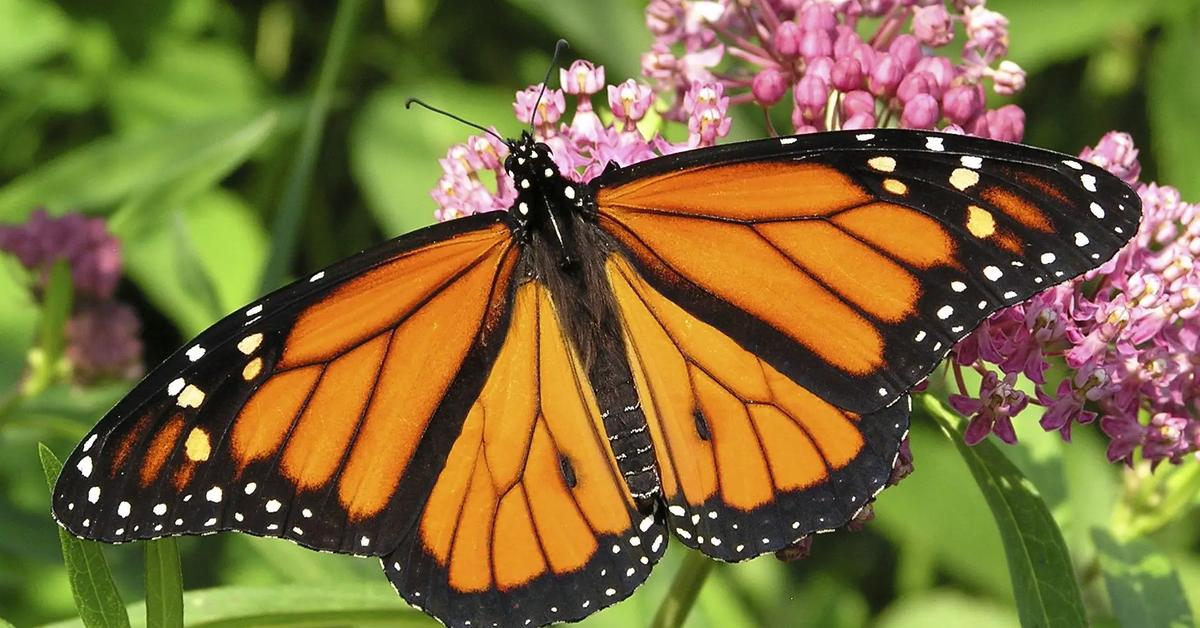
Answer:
(1039, 564)
(164, 585)
(330, 604)
(1142, 585)
(394, 151)
(944, 608)
(111, 170)
(202, 262)
(96, 596)
(1172, 103)
(286, 227)
(18, 323)
(30, 32)
(5, 624)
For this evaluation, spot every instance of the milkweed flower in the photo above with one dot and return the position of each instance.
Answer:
(1128, 332)
(103, 335)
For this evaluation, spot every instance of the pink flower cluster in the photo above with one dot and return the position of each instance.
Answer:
(1129, 333)
(103, 334)
(581, 142)
(838, 79)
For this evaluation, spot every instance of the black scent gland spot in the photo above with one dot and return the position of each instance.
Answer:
(701, 425)
(568, 471)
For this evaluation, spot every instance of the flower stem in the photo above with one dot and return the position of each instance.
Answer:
(684, 590)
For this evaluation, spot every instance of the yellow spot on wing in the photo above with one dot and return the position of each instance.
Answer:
(191, 397)
(980, 222)
(895, 187)
(248, 344)
(252, 369)
(197, 446)
(962, 178)
(882, 164)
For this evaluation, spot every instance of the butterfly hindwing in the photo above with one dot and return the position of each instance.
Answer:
(530, 522)
(303, 415)
(750, 461)
(852, 261)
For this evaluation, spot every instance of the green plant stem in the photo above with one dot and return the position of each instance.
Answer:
(684, 590)
(286, 226)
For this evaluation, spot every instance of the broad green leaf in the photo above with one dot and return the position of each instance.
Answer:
(1142, 585)
(203, 262)
(330, 604)
(30, 32)
(164, 585)
(1039, 564)
(96, 596)
(1172, 103)
(184, 80)
(945, 608)
(5, 624)
(394, 151)
(108, 171)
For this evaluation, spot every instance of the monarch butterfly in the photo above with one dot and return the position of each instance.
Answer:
(513, 411)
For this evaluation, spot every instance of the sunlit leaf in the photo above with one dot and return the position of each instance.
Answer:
(96, 596)
(1141, 582)
(164, 585)
(1039, 564)
(1172, 104)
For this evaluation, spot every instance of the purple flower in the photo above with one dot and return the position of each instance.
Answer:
(93, 253)
(104, 342)
(629, 102)
(993, 410)
(1115, 152)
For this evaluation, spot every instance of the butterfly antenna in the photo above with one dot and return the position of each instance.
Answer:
(411, 101)
(559, 46)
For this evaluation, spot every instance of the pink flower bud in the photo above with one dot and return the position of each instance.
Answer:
(986, 31)
(815, 44)
(769, 86)
(822, 68)
(941, 69)
(1116, 153)
(787, 39)
(1006, 123)
(920, 112)
(907, 50)
(885, 76)
(847, 74)
(845, 42)
(932, 25)
(818, 16)
(811, 95)
(550, 109)
(858, 102)
(962, 103)
(859, 121)
(917, 83)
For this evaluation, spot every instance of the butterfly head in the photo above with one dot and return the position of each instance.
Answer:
(545, 198)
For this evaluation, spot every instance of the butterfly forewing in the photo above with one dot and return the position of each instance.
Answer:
(303, 415)
(852, 261)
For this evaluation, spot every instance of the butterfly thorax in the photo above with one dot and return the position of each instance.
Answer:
(546, 200)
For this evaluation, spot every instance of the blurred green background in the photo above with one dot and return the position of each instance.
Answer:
(192, 123)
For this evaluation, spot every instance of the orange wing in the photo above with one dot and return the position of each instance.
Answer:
(750, 460)
(853, 262)
(530, 522)
(316, 413)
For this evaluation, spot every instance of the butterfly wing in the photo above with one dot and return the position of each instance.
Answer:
(531, 521)
(780, 298)
(305, 415)
(853, 261)
(750, 461)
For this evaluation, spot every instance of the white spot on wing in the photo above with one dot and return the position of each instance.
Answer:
(94, 494)
(123, 509)
(1088, 181)
(787, 140)
(255, 311)
(1048, 258)
(971, 161)
(273, 505)
(85, 466)
(1081, 239)
(958, 286)
(317, 277)
(862, 137)
(214, 494)
(1070, 163)
(175, 386)
(1097, 210)
(934, 143)
(992, 273)
(195, 353)
(944, 312)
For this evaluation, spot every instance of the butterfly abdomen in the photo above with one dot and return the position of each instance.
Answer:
(625, 423)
